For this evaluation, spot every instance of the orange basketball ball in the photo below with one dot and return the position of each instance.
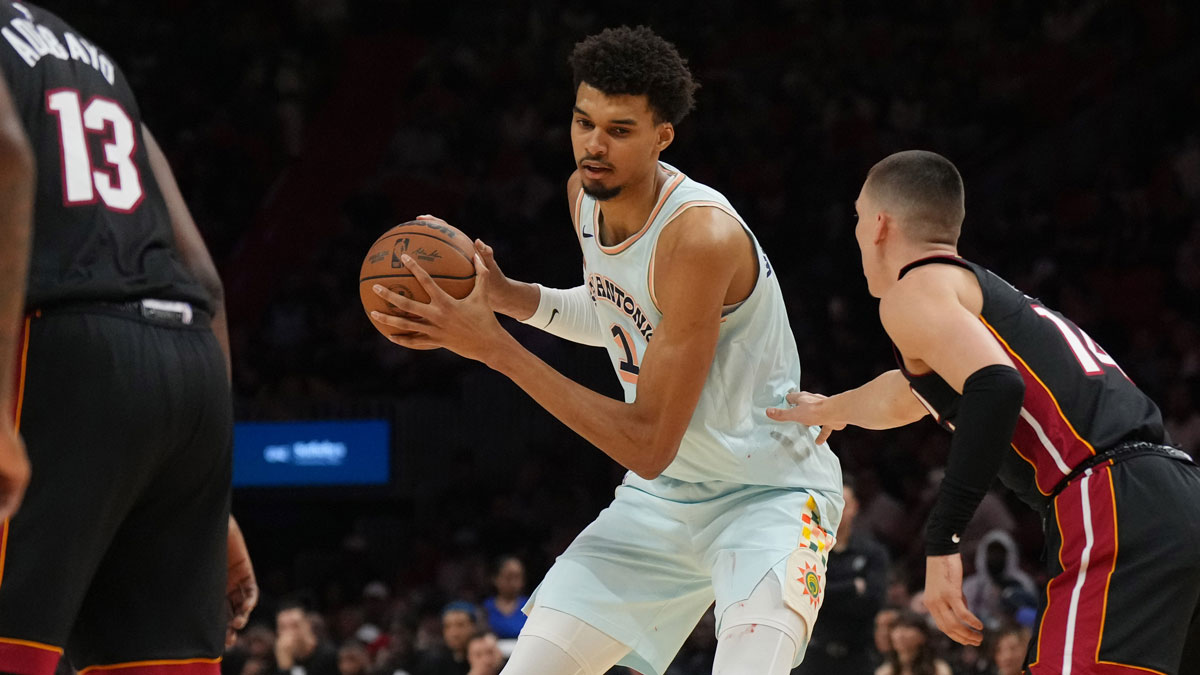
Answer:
(441, 250)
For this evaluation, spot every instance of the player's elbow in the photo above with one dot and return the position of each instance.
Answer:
(655, 458)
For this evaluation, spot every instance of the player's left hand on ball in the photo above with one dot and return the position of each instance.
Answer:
(241, 587)
(808, 409)
(945, 602)
(467, 327)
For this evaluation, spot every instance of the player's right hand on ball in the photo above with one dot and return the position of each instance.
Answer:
(808, 409)
(14, 472)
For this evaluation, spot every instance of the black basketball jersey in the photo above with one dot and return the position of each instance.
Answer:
(1078, 401)
(101, 230)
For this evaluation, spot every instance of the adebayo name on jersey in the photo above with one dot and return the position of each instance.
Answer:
(602, 288)
(34, 41)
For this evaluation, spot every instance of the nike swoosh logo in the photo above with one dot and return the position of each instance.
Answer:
(553, 313)
(586, 234)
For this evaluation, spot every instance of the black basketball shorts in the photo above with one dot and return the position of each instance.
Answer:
(117, 554)
(1123, 543)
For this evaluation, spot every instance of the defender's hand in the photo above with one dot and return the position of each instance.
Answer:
(467, 327)
(811, 410)
(945, 601)
(241, 588)
(14, 472)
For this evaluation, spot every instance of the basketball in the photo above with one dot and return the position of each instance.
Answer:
(441, 250)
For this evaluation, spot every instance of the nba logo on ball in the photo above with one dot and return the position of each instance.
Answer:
(444, 253)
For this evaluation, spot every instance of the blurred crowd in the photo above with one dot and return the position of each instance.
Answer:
(305, 129)
(872, 620)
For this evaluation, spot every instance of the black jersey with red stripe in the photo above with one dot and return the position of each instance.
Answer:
(101, 229)
(1078, 401)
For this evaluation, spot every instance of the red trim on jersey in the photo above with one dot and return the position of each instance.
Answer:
(1041, 405)
(163, 667)
(18, 398)
(21, 355)
(28, 658)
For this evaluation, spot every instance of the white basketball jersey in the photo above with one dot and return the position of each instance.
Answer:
(730, 438)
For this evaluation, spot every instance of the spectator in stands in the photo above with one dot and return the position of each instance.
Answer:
(882, 636)
(504, 614)
(297, 649)
(911, 652)
(352, 659)
(856, 582)
(1008, 649)
(394, 655)
(450, 658)
(999, 588)
(483, 654)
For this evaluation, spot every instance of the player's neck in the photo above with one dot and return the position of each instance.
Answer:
(624, 215)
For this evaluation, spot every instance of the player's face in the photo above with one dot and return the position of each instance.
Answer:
(864, 232)
(615, 140)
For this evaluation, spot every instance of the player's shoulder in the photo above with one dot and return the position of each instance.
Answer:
(702, 227)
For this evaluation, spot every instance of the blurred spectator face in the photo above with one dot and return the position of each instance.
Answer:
(609, 155)
(908, 637)
(510, 580)
(457, 628)
(1010, 653)
(483, 654)
(884, 620)
(260, 642)
(296, 632)
(353, 659)
(255, 666)
(906, 640)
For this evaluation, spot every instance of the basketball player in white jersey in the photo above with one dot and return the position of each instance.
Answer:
(720, 503)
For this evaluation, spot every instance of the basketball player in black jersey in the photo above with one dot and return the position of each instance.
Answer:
(1032, 399)
(118, 553)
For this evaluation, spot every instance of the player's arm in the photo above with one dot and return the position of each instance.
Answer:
(188, 241)
(241, 587)
(885, 402)
(694, 274)
(928, 321)
(17, 177)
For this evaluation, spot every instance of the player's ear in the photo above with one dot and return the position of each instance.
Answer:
(884, 224)
(666, 134)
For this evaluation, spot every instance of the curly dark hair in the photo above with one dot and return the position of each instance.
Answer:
(636, 62)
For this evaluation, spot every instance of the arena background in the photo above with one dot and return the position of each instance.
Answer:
(301, 130)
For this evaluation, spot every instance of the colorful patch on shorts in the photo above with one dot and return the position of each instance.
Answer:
(813, 535)
(810, 580)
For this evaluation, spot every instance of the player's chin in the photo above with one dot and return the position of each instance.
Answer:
(599, 189)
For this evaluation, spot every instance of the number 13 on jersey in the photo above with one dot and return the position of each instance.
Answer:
(116, 181)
